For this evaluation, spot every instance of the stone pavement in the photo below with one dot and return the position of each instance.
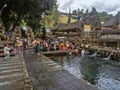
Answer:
(48, 75)
(13, 74)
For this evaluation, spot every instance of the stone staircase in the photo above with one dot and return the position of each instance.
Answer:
(48, 64)
(13, 73)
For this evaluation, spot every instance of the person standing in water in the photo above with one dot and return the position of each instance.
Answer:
(61, 46)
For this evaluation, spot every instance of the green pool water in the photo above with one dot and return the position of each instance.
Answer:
(104, 74)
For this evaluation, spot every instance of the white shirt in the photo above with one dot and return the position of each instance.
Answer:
(6, 50)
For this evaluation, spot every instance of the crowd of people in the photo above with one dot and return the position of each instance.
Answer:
(53, 44)
(14, 47)
(38, 45)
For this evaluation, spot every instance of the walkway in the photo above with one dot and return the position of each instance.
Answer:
(55, 52)
(48, 75)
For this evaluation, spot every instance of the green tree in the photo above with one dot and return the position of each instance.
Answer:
(104, 16)
(80, 14)
(28, 10)
(56, 15)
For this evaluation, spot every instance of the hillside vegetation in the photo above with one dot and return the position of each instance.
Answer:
(62, 18)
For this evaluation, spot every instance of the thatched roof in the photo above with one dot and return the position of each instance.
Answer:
(66, 27)
(58, 27)
(73, 26)
(110, 22)
(114, 31)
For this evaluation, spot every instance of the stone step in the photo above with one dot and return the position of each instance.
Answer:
(10, 61)
(50, 65)
(12, 85)
(54, 69)
(2, 50)
(1, 46)
(47, 61)
(16, 76)
(56, 66)
(10, 64)
(11, 71)
(11, 67)
(16, 58)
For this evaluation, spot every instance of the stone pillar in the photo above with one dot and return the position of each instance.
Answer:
(13, 38)
(104, 44)
(118, 44)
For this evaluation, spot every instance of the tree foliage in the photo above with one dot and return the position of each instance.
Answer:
(104, 16)
(52, 18)
(28, 10)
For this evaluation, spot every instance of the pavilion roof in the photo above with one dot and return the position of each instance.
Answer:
(66, 27)
(59, 27)
(110, 22)
(113, 31)
(74, 25)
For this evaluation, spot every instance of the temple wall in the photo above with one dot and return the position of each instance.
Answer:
(119, 27)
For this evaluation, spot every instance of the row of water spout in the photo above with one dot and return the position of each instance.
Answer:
(95, 54)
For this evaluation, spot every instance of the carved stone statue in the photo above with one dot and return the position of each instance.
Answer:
(95, 20)
(30, 36)
(85, 17)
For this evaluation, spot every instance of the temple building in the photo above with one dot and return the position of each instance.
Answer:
(74, 29)
(113, 23)
(90, 30)
(110, 24)
(110, 33)
(90, 19)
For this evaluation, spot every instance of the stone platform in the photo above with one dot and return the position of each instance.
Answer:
(48, 75)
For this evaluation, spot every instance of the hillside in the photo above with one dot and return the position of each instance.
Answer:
(64, 18)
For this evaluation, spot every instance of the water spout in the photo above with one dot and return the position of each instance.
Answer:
(109, 57)
(94, 54)
(83, 53)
